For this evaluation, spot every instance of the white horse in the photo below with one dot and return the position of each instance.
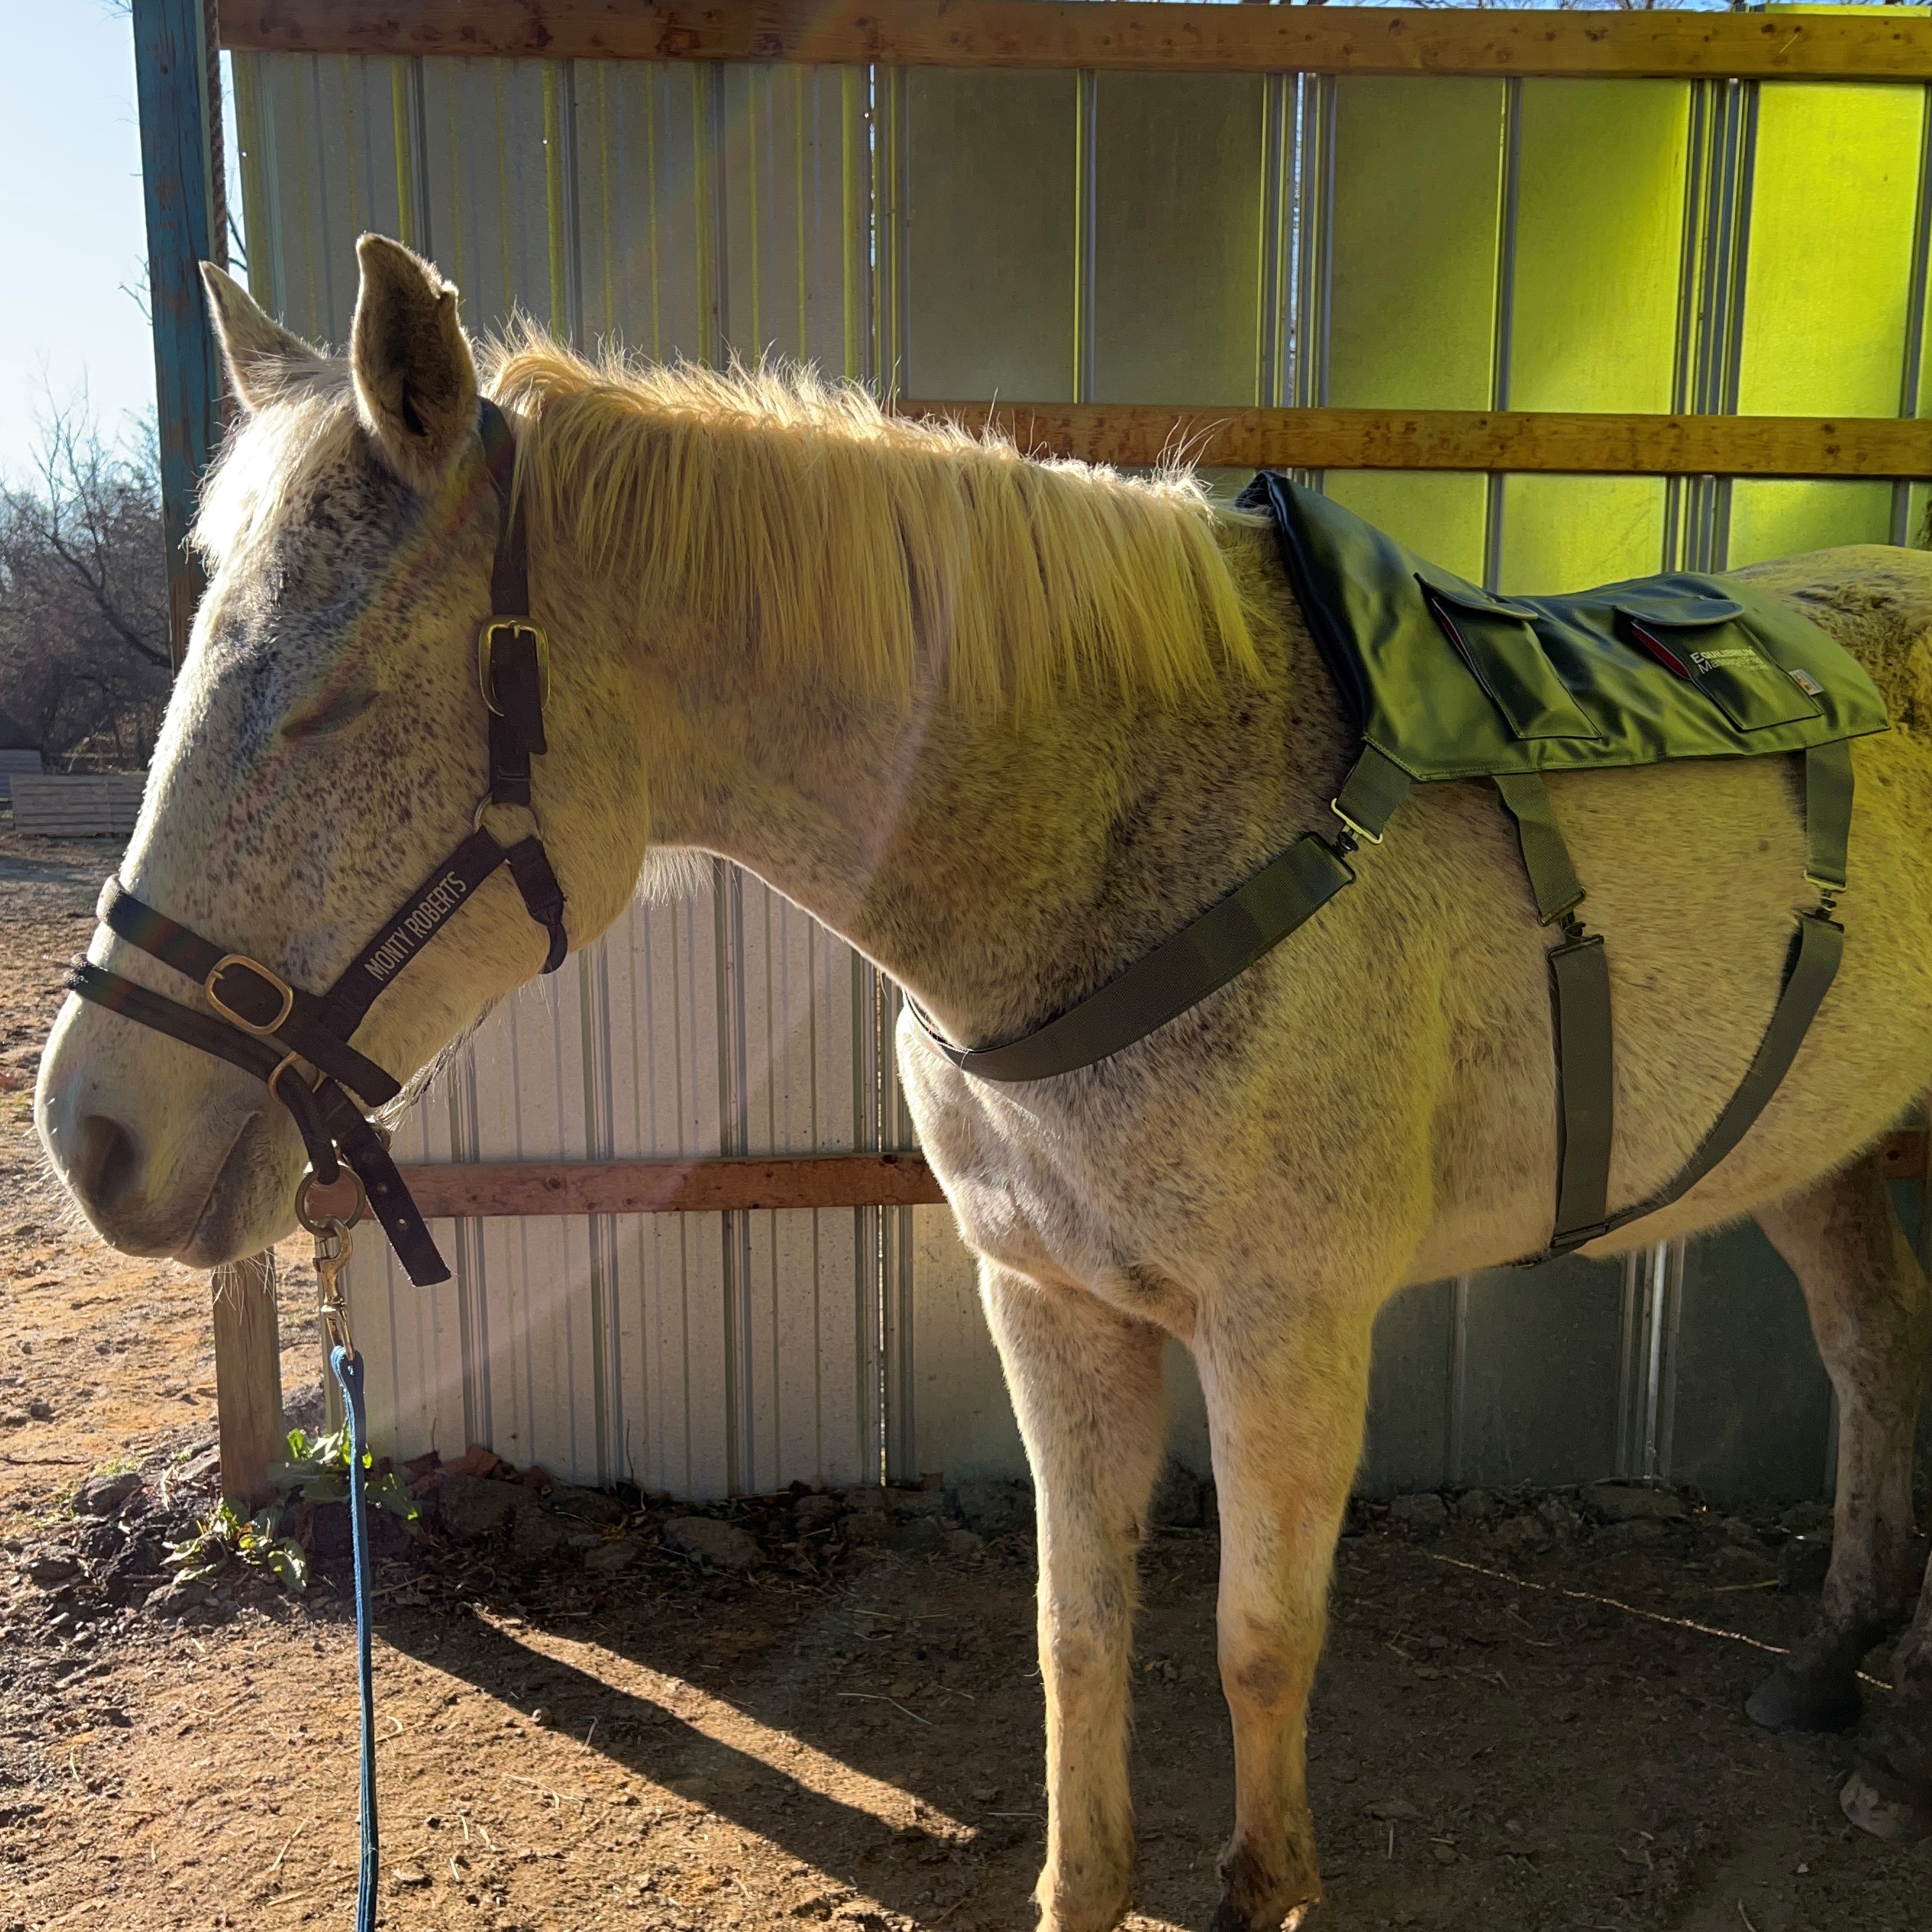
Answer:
(1005, 726)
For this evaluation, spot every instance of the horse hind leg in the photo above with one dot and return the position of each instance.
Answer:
(1871, 1315)
(1890, 1793)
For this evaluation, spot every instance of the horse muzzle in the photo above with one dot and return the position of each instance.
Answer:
(164, 1153)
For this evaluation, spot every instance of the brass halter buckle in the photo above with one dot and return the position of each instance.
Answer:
(486, 639)
(262, 1028)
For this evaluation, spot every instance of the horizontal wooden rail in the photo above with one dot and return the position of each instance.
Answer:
(1110, 34)
(711, 1187)
(714, 1186)
(1636, 446)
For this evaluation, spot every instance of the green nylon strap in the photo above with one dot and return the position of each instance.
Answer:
(1580, 979)
(1545, 856)
(1225, 941)
(1370, 794)
(1828, 813)
(1820, 946)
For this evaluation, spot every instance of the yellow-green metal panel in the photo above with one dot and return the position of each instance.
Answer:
(991, 219)
(1833, 194)
(487, 188)
(1411, 307)
(1779, 518)
(1177, 216)
(1593, 305)
(1568, 532)
(1834, 200)
(1599, 245)
(1443, 514)
(327, 166)
(1418, 181)
(794, 212)
(640, 185)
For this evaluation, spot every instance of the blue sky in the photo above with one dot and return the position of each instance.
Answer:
(70, 155)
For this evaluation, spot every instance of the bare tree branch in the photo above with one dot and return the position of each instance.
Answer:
(83, 593)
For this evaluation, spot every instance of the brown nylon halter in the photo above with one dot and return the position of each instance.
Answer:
(257, 1021)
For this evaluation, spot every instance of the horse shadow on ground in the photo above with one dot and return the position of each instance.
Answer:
(885, 1732)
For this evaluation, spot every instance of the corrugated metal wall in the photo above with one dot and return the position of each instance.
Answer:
(1407, 243)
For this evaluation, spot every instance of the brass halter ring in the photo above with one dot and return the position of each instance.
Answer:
(321, 1216)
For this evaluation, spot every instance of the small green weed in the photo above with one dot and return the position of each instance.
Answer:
(317, 1471)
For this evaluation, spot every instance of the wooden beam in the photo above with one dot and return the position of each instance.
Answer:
(715, 1186)
(674, 1187)
(1142, 433)
(1109, 34)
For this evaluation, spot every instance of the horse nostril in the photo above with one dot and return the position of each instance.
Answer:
(108, 1166)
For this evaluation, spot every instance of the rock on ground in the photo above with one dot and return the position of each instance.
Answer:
(1635, 1502)
(107, 1495)
(1425, 1510)
(723, 1545)
(815, 1512)
(608, 1558)
(994, 1508)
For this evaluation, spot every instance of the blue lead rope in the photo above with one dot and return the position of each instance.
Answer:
(348, 1368)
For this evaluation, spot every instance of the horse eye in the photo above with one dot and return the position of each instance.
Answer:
(329, 713)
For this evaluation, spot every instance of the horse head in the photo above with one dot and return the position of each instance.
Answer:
(326, 744)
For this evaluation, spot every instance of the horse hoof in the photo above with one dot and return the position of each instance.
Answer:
(1814, 1700)
(1888, 1807)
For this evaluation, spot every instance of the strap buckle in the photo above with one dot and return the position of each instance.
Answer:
(486, 639)
(1359, 831)
(281, 987)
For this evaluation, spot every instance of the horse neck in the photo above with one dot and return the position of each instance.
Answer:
(995, 867)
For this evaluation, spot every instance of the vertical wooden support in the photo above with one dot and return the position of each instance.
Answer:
(171, 70)
(248, 1379)
(178, 79)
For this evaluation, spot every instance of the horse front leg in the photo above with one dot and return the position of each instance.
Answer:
(1086, 1383)
(1285, 1412)
(1872, 1316)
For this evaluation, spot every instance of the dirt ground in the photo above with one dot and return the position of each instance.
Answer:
(1529, 1718)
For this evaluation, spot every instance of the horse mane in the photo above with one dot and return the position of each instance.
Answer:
(855, 541)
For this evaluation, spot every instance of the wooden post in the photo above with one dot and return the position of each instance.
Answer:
(178, 80)
(248, 1379)
(171, 71)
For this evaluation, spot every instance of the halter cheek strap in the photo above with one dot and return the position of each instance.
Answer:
(257, 1021)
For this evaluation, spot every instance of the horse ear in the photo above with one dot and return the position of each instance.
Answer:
(415, 384)
(264, 360)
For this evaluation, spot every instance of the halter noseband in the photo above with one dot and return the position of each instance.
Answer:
(267, 1027)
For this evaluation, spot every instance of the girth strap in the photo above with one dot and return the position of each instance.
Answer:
(1580, 989)
(1546, 858)
(1579, 979)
